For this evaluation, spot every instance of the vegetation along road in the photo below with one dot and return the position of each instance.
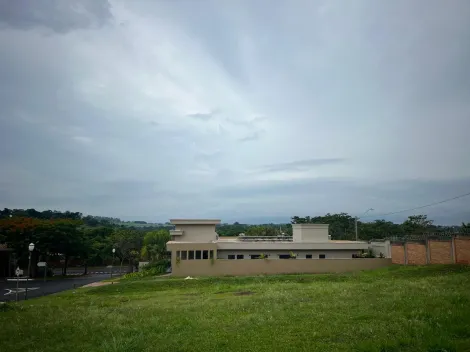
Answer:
(394, 309)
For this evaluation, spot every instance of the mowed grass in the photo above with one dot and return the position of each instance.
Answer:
(393, 309)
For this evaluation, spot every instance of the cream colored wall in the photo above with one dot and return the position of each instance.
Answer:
(310, 232)
(196, 233)
(344, 254)
(381, 247)
(222, 267)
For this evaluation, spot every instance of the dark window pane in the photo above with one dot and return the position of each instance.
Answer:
(184, 255)
(198, 254)
(322, 256)
(211, 254)
(231, 256)
(284, 256)
(308, 256)
(255, 256)
(240, 256)
(205, 254)
(190, 255)
(178, 254)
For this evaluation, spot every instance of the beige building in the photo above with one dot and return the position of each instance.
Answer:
(196, 249)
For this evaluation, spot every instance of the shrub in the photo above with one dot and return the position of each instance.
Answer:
(151, 269)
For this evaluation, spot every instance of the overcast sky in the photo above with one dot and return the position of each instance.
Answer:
(237, 109)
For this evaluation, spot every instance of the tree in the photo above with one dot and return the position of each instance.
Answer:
(154, 245)
(416, 224)
(128, 244)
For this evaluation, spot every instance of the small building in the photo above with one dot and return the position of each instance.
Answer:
(196, 249)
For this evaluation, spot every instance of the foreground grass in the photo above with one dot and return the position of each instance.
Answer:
(393, 309)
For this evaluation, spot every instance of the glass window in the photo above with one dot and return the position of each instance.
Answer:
(255, 256)
(184, 255)
(308, 256)
(240, 256)
(198, 254)
(190, 255)
(284, 256)
(178, 254)
(322, 256)
(211, 254)
(205, 254)
(231, 256)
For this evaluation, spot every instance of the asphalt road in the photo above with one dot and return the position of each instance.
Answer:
(38, 288)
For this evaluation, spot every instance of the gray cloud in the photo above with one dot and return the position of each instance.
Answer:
(60, 16)
(301, 165)
(97, 120)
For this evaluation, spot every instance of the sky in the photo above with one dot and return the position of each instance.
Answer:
(240, 110)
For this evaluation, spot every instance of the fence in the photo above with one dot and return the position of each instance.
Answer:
(431, 249)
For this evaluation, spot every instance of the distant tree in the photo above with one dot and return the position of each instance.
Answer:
(128, 245)
(416, 224)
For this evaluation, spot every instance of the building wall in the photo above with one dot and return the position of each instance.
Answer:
(220, 267)
(381, 247)
(310, 232)
(342, 254)
(196, 233)
(416, 253)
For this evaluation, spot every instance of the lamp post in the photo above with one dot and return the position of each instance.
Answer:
(112, 265)
(31, 249)
(357, 218)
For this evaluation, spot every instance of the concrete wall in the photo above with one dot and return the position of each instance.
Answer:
(222, 267)
(455, 250)
(310, 232)
(341, 254)
(381, 247)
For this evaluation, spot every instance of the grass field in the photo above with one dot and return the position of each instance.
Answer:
(394, 309)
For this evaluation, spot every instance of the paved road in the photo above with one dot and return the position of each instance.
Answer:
(38, 288)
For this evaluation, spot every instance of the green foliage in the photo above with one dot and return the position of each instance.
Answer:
(154, 245)
(151, 269)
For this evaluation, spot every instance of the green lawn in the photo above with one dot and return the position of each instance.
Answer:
(394, 309)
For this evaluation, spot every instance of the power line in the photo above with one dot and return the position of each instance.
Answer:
(420, 207)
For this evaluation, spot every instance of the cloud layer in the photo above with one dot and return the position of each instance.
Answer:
(153, 110)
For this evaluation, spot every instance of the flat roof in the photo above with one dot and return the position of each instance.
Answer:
(194, 221)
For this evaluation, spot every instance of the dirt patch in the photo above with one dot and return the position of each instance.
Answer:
(243, 293)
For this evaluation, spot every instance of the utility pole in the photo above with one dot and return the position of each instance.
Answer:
(357, 218)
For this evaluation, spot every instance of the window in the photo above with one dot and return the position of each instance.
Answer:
(240, 256)
(255, 256)
(308, 256)
(205, 254)
(322, 256)
(231, 256)
(178, 254)
(184, 255)
(211, 254)
(284, 256)
(198, 254)
(190, 255)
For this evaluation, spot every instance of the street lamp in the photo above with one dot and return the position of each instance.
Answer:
(31, 249)
(112, 265)
(357, 218)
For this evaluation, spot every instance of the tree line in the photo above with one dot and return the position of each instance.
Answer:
(66, 237)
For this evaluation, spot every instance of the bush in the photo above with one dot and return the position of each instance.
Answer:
(151, 269)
